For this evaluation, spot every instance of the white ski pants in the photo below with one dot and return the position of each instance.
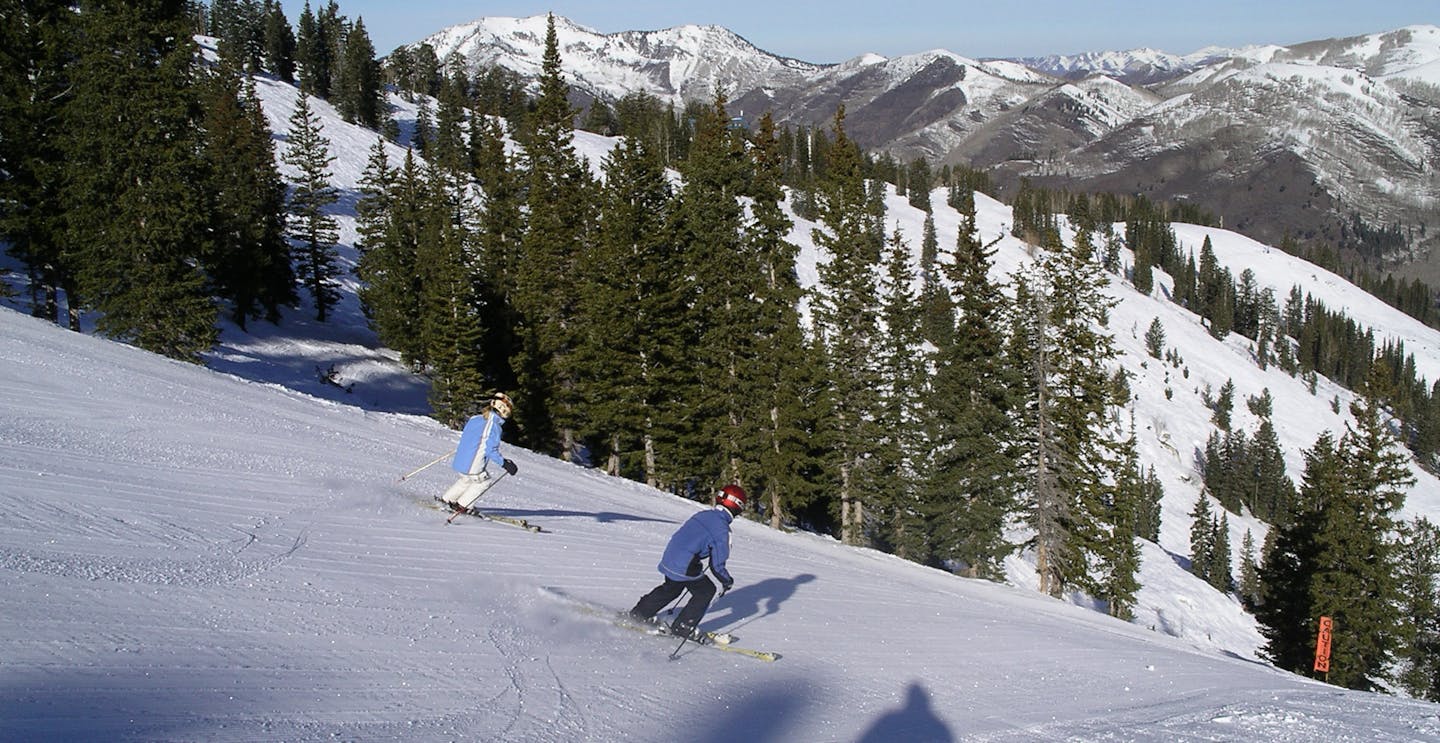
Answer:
(468, 489)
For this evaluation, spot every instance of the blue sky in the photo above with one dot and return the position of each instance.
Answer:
(836, 30)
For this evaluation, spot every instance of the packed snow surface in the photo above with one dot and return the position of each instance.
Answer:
(186, 555)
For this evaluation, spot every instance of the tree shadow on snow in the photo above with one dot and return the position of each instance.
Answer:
(916, 722)
(750, 602)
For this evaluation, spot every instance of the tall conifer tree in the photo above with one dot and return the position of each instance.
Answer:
(249, 260)
(723, 396)
(451, 324)
(787, 475)
(560, 211)
(902, 378)
(310, 221)
(630, 341)
(138, 226)
(39, 40)
(847, 321)
(970, 475)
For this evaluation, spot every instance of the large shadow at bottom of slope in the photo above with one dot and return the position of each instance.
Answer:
(770, 712)
(764, 714)
(125, 704)
(915, 722)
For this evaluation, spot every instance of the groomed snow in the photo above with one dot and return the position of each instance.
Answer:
(191, 556)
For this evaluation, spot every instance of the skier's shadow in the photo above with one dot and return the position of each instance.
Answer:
(916, 722)
(756, 600)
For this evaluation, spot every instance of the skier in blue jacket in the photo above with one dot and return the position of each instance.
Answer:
(704, 536)
(479, 447)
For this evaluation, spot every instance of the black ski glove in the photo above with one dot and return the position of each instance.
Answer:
(725, 586)
(509, 467)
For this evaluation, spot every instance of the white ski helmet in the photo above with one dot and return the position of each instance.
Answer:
(501, 404)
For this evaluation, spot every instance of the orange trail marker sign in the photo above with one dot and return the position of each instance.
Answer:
(1322, 645)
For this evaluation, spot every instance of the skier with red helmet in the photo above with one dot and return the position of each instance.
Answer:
(704, 536)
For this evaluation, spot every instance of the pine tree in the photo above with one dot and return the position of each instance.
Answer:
(1419, 577)
(390, 281)
(249, 260)
(1119, 561)
(1060, 340)
(1202, 539)
(627, 346)
(449, 147)
(393, 223)
(901, 364)
(35, 90)
(1155, 338)
(1355, 583)
(451, 324)
(315, 52)
(310, 223)
(1287, 614)
(279, 43)
(501, 230)
(937, 311)
(725, 397)
(1219, 574)
(138, 226)
(357, 89)
(846, 320)
(970, 479)
(1250, 592)
(786, 476)
(560, 225)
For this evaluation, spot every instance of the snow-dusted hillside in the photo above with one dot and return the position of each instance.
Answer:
(676, 64)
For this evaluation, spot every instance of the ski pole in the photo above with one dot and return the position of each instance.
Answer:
(671, 610)
(427, 466)
(675, 655)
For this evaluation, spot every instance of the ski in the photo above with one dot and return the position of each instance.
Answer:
(477, 513)
(717, 640)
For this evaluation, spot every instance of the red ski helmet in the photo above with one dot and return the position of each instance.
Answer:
(732, 498)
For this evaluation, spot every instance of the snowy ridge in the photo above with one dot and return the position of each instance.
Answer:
(675, 64)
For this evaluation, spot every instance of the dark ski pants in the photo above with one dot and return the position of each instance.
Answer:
(701, 592)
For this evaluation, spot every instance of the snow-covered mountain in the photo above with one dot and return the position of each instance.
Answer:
(1142, 66)
(676, 64)
(1275, 140)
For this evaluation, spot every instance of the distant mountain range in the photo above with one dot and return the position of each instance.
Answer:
(1275, 140)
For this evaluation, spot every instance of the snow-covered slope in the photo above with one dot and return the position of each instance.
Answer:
(185, 555)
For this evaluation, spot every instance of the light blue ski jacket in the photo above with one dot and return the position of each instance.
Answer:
(479, 444)
(706, 535)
